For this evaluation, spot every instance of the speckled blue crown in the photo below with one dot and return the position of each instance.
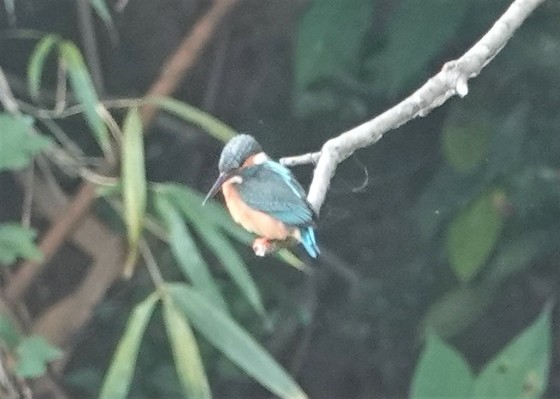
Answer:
(236, 151)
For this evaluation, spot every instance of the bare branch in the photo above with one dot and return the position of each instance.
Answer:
(450, 81)
(311, 157)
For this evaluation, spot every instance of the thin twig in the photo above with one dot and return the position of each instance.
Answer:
(151, 264)
(304, 159)
(451, 81)
(28, 195)
(111, 123)
(78, 108)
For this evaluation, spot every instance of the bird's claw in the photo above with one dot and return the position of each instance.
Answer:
(263, 247)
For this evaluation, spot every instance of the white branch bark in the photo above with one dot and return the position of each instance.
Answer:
(450, 81)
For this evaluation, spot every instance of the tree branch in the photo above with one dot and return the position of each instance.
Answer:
(450, 81)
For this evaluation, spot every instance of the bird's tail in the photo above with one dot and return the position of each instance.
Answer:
(307, 238)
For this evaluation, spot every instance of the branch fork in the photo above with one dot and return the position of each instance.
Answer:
(450, 81)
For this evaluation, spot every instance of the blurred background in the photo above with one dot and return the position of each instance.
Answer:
(449, 224)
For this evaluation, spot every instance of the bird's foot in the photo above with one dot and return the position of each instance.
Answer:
(263, 246)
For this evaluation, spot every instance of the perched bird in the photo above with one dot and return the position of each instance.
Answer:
(263, 196)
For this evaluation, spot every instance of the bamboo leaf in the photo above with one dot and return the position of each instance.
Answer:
(119, 376)
(190, 369)
(133, 178)
(210, 124)
(213, 212)
(102, 11)
(83, 89)
(186, 252)
(218, 216)
(226, 253)
(226, 335)
(37, 62)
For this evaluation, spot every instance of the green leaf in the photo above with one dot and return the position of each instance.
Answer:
(210, 124)
(521, 369)
(292, 260)
(18, 145)
(457, 309)
(17, 241)
(84, 90)
(418, 31)
(472, 235)
(9, 334)
(218, 216)
(330, 39)
(119, 376)
(163, 380)
(36, 63)
(133, 178)
(186, 252)
(228, 256)
(212, 211)
(185, 352)
(219, 244)
(222, 332)
(441, 373)
(465, 147)
(33, 354)
(102, 11)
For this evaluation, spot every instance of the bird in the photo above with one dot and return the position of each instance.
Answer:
(264, 197)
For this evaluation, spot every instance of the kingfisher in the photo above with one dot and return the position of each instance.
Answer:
(264, 197)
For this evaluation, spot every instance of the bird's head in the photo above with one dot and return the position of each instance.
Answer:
(240, 151)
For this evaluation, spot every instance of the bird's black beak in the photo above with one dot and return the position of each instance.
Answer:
(217, 185)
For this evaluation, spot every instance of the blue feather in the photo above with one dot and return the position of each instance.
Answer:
(271, 188)
(287, 176)
(309, 242)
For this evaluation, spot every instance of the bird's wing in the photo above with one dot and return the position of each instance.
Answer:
(271, 188)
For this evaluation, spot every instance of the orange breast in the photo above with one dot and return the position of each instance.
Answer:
(252, 220)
